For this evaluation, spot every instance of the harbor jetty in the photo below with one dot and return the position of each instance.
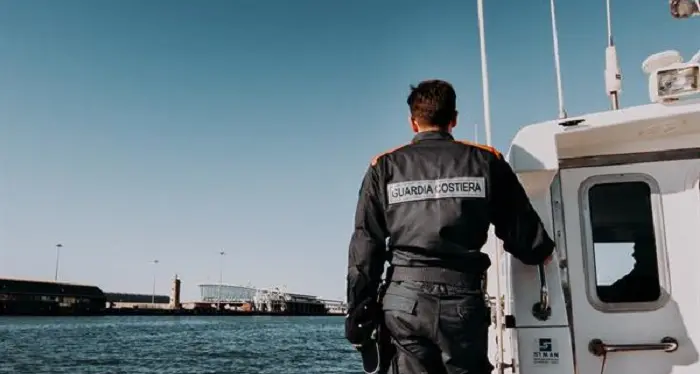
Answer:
(46, 298)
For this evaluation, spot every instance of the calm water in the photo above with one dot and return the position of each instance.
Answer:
(201, 345)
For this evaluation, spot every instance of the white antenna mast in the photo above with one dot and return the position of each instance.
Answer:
(487, 130)
(484, 73)
(557, 67)
(613, 75)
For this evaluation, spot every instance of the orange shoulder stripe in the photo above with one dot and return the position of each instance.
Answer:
(482, 146)
(377, 157)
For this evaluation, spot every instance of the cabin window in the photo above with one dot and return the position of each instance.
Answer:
(623, 264)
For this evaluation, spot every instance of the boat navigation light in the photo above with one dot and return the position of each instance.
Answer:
(670, 78)
(684, 8)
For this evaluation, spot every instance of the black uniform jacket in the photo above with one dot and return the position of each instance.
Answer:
(434, 199)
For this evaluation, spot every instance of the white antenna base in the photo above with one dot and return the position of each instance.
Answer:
(613, 75)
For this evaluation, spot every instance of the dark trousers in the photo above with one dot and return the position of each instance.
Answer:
(437, 328)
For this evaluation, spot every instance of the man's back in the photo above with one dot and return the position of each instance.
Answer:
(436, 202)
(434, 199)
(441, 195)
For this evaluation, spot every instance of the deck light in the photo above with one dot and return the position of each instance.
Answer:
(678, 81)
(670, 78)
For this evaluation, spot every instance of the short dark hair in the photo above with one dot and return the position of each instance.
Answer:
(433, 103)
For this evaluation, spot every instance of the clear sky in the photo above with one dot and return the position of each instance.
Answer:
(170, 130)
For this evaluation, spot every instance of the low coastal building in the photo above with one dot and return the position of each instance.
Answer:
(33, 297)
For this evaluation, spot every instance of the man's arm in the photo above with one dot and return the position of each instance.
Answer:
(516, 221)
(368, 243)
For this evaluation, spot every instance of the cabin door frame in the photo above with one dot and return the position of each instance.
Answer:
(675, 204)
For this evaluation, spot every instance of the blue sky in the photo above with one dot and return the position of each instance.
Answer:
(170, 130)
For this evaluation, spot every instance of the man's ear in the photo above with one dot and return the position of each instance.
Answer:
(414, 125)
(453, 123)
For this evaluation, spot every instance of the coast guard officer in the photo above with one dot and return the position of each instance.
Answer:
(434, 199)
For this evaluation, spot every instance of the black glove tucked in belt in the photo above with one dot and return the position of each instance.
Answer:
(361, 321)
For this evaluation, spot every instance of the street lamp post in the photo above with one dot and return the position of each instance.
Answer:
(221, 277)
(58, 256)
(153, 295)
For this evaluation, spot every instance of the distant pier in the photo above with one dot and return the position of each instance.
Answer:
(44, 298)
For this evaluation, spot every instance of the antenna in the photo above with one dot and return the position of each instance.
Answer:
(487, 130)
(557, 67)
(484, 73)
(613, 75)
(476, 133)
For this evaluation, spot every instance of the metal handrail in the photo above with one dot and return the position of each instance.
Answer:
(598, 348)
(542, 310)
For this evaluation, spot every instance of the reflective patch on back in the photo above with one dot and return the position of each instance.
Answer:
(482, 146)
(436, 189)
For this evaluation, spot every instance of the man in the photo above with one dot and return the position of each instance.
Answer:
(434, 199)
(641, 284)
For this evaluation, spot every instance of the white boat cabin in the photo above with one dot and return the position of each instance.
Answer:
(618, 192)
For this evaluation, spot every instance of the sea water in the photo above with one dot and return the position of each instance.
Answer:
(177, 345)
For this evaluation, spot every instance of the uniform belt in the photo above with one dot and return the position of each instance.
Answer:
(437, 275)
